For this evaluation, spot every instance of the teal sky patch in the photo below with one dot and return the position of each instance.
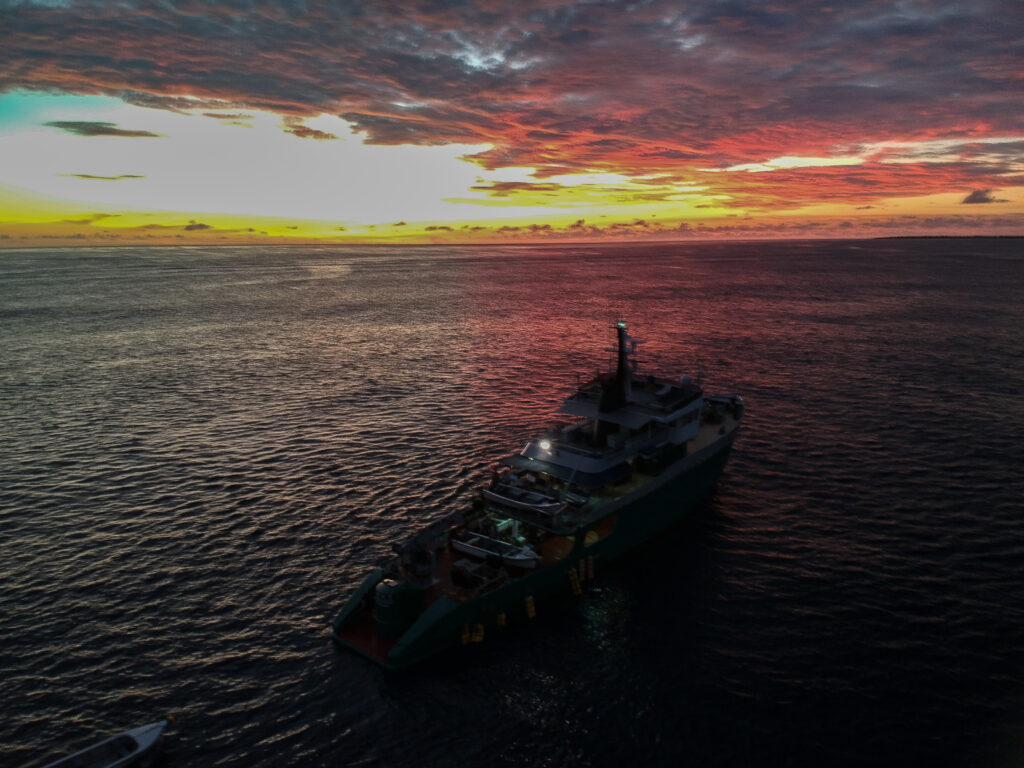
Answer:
(21, 110)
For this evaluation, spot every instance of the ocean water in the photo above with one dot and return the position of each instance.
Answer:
(202, 451)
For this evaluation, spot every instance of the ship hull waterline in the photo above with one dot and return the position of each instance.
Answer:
(638, 517)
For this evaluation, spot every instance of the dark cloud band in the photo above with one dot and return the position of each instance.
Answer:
(91, 177)
(90, 128)
(635, 88)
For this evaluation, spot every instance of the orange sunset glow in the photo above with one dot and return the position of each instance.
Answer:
(491, 122)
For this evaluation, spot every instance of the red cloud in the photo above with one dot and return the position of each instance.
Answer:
(660, 89)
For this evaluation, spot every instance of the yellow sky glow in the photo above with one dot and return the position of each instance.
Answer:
(241, 176)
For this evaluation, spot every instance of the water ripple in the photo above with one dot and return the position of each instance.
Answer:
(204, 449)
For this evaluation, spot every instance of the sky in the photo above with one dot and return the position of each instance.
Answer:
(235, 121)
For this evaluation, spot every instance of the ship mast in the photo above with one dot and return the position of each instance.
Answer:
(615, 393)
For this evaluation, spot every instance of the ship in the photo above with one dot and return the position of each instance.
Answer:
(636, 454)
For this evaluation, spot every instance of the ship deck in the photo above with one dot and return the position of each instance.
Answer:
(360, 633)
(707, 434)
(551, 549)
(443, 585)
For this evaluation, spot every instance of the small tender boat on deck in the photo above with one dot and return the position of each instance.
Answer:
(522, 498)
(477, 545)
(124, 749)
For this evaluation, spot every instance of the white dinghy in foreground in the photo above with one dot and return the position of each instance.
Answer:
(124, 749)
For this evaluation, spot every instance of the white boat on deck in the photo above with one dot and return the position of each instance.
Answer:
(122, 750)
(477, 545)
(522, 498)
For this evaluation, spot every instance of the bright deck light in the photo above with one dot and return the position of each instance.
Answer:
(545, 445)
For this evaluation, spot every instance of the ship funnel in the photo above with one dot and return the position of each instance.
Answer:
(615, 393)
(622, 370)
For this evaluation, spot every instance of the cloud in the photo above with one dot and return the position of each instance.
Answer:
(981, 196)
(92, 218)
(305, 132)
(778, 163)
(508, 188)
(296, 128)
(636, 89)
(89, 176)
(229, 116)
(93, 128)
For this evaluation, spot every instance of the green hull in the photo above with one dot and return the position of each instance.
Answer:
(639, 516)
